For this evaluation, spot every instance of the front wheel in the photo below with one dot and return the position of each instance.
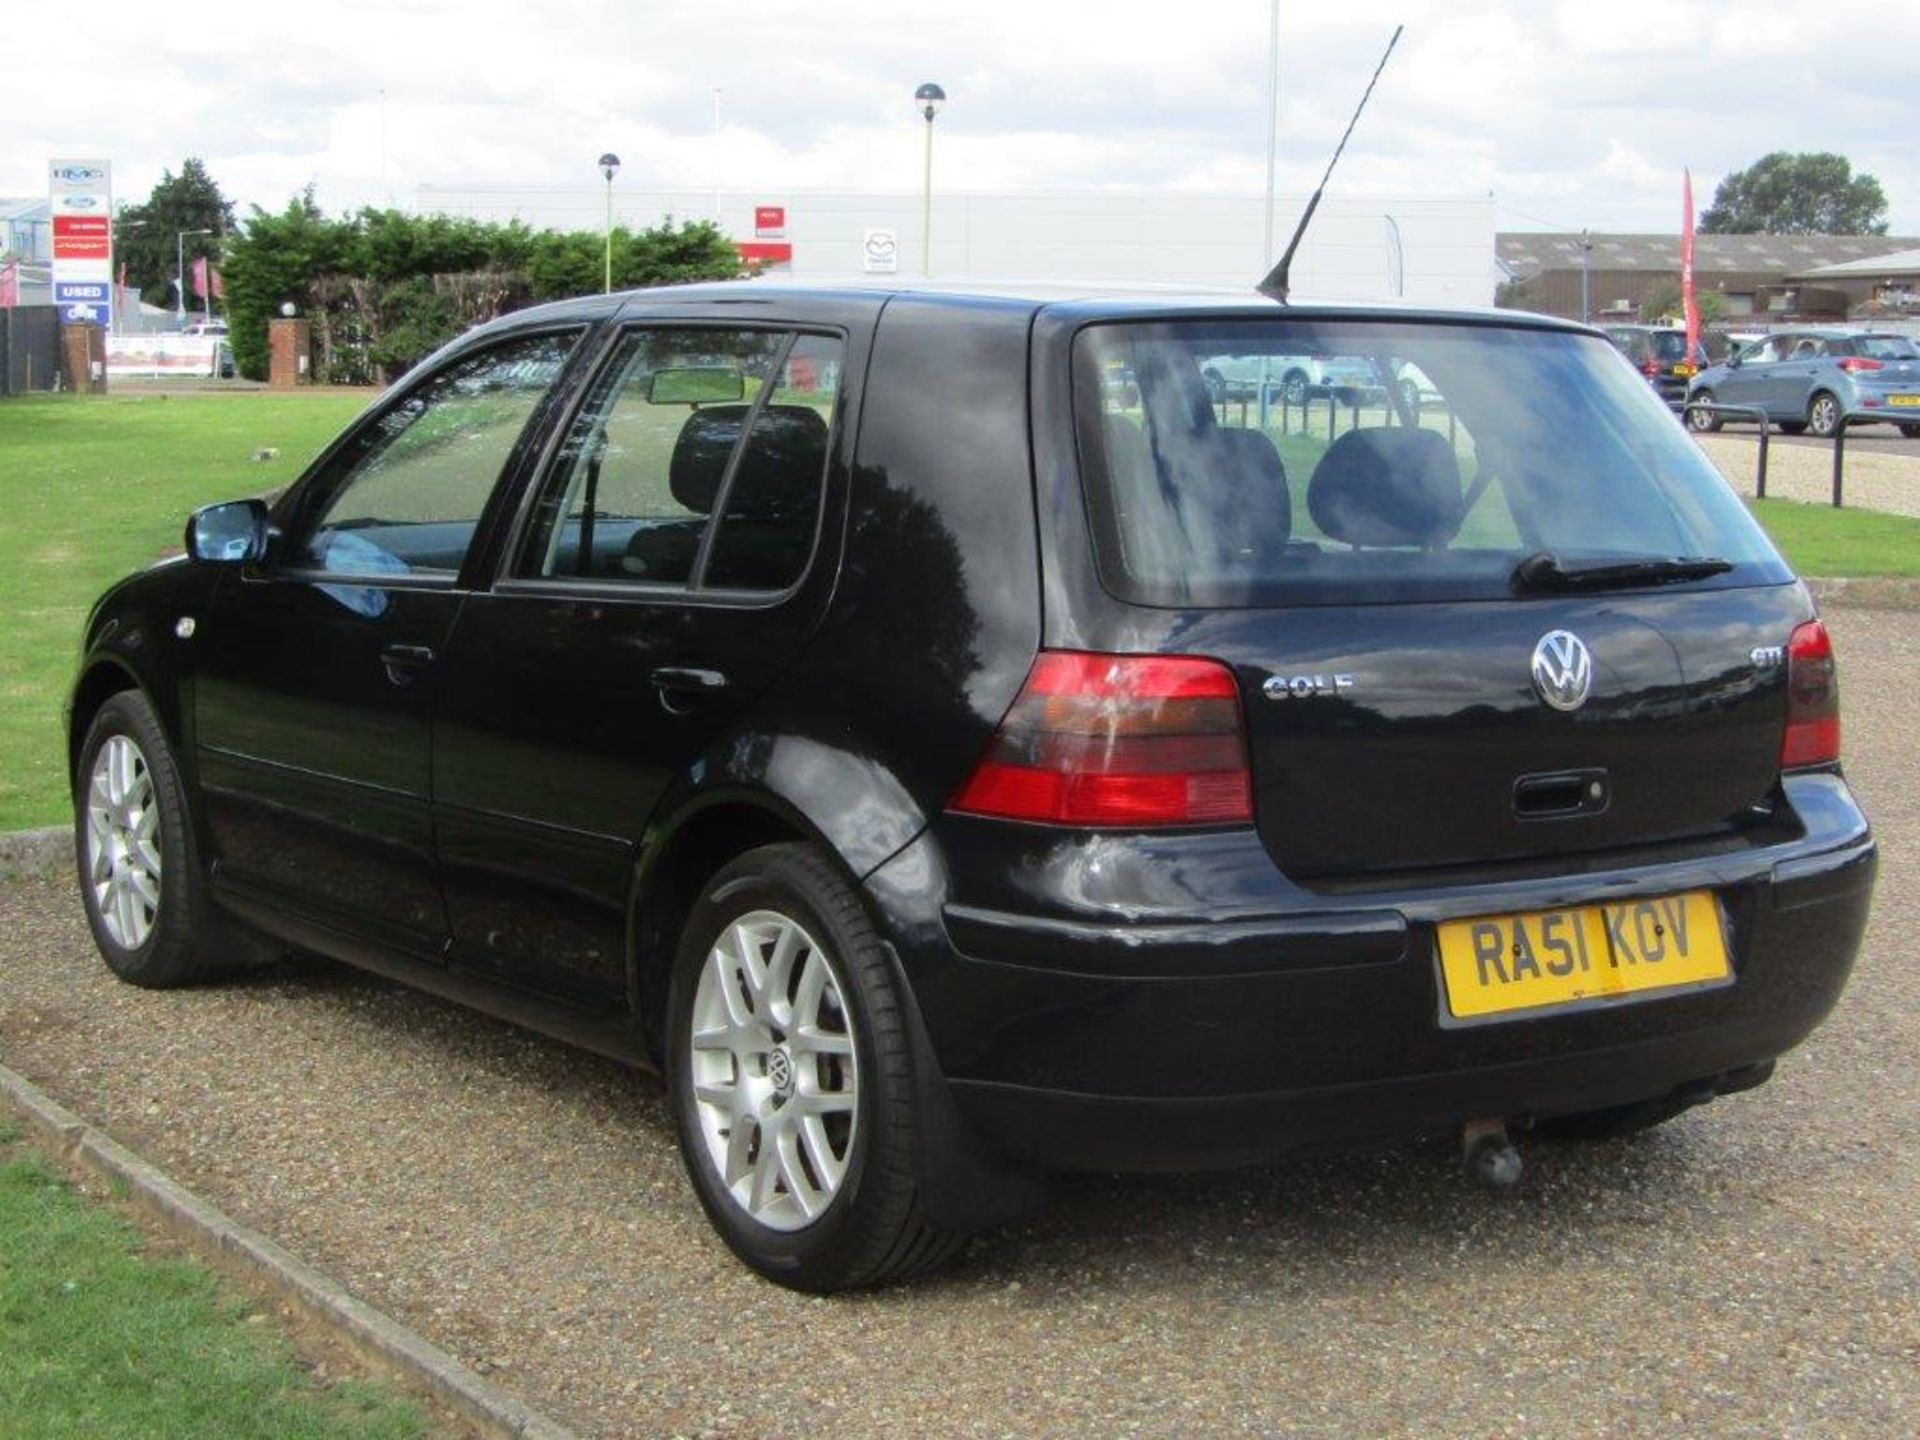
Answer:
(139, 876)
(1823, 415)
(793, 1078)
(1702, 421)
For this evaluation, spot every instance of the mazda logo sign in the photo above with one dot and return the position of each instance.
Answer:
(1562, 669)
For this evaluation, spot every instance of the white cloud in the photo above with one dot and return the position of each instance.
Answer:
(1568, 112)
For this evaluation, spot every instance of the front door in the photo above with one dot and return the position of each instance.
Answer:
(666, 578)
(315, 675)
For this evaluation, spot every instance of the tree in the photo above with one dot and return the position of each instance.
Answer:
(1808, 194)
(384, 288)
(1663, 303)
(145, 236)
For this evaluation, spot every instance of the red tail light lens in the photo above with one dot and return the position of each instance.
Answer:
(1854, 364)
(1813, 700)
(1650, 368)
(1130, 741)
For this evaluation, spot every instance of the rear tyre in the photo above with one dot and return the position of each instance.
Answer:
(792, 1075)
(140, 877)
(1293, 387)
(1823, 415)
(1911, 432)
(1703, 422)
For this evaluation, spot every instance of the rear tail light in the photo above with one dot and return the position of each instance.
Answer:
(1131, 741)
(1813, 700)
(1650, 369)
(1854, 364)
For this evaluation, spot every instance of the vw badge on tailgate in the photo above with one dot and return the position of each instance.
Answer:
(1562, 669)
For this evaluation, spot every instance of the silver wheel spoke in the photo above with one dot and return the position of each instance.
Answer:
(822, 1042)
(828, 1166)
(794, 1176)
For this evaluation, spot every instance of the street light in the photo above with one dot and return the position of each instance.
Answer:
(180, 273)
(1586, 271)
(929, 97)
(609, 167)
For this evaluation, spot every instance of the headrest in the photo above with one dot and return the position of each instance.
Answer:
(1389, 485)
(789, 445)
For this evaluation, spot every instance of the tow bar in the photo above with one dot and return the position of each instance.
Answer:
(1489, 1154)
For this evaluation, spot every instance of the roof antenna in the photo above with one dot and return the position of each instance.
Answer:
(1275, 285)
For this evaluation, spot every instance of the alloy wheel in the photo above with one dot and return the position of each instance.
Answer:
(774, 1071)
(1823, 417)
(123, 842)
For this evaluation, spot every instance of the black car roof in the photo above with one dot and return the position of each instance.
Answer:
(1080, 302)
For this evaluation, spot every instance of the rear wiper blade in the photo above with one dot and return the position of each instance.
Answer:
(1542, 570)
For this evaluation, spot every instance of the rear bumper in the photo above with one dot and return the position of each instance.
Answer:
(1112, 1022)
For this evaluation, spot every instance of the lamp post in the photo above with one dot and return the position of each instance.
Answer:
(609, 167)
(929, 97)
(1273, 116)
(180, 273)
(1586, 271)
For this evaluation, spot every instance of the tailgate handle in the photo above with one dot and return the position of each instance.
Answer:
(1561, 794)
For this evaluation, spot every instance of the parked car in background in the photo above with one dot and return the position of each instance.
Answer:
(1350, 379)
(1660, 353)
(1806, 380)
(950, 748)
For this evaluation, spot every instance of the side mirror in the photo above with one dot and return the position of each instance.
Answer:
(1732, 361)
(233, 533)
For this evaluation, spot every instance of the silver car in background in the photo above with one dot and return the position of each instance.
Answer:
(1806, 380)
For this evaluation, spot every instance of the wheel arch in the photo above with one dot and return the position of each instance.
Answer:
(677, 859)
(103, 677)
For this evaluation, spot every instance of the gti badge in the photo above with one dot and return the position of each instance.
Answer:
(1562, 669)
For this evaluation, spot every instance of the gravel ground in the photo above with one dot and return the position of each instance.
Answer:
(1875, 479)
(1752, 1269)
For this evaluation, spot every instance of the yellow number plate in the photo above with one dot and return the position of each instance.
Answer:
(1685, 370)
(1904, 401)
(1502, 963)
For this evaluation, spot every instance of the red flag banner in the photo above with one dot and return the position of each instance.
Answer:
(219, 285)
(1687, 300)
(200, 278)
(9, 285)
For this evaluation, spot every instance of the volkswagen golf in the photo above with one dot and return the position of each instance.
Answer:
(946, 765)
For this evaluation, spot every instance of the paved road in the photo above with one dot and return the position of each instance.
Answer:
(1751, 1270)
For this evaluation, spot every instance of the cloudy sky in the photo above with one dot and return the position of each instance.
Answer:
(1571, 113)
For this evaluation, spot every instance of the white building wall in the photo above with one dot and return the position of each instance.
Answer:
(1446, 244)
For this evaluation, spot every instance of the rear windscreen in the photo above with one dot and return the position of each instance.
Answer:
(1234, 463)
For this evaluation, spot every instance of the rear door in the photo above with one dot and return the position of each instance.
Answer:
(665, 577)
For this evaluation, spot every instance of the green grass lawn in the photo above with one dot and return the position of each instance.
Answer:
(1819, 540)
(98, 1338)
(90, 489)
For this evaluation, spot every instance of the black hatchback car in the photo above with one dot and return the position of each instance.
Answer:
(947, 764)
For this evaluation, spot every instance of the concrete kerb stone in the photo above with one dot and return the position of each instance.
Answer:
(233, 1247)
(36, 852)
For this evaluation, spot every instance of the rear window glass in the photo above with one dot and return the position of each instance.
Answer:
(1670, 344)
(1887, 347)
(1305, 462)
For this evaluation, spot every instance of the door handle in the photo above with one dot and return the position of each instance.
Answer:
(687, 680)
(403, 662)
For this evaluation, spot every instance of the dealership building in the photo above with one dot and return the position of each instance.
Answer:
(1429, 249)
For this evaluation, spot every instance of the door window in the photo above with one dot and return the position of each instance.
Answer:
(684, 426)
(408, 494)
